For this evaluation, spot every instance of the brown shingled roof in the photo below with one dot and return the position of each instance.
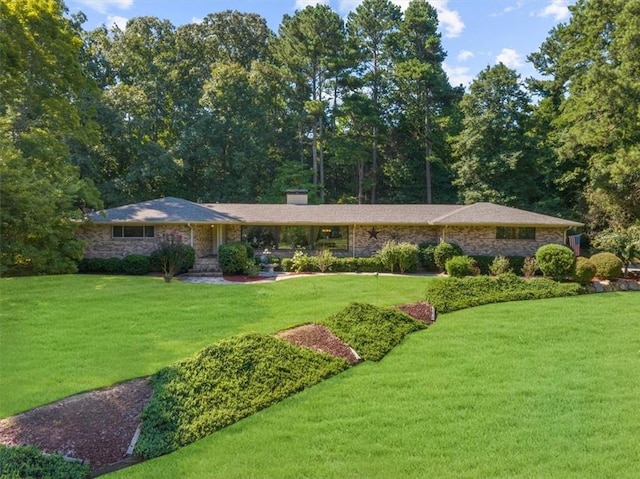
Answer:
(177, 210)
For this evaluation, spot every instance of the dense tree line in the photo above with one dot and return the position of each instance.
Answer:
(357, 110)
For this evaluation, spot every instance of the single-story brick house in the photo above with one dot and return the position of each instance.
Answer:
(347, 230)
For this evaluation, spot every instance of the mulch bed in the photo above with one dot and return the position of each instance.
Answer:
(98, 426)
(319, 338)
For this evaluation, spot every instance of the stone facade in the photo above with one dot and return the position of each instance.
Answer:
(368, 239)
(101, 244)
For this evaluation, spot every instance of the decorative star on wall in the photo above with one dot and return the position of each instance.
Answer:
(373, 233)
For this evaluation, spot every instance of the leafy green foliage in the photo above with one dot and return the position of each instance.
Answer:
(608, 265)
(370, 330)
(29, 462)
(233, 257)
(555, 261)
(136, 264)
(460, 266)
(623, 242)
(585, 270)
(400, 256)
(426, 255)
(529, 267)
(500, 265)
(173, 255)
(452, 294)
(444, 252)
(224, 383)
(325, 260)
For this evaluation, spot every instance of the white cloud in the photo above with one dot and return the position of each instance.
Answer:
(301, 4)
(509, 8)
(117, 20)
(557, 9)
(197, 20)
(510, 58)
(102, 6)
(457, 75)
(464, 55)
(449, 19)
(346, 6)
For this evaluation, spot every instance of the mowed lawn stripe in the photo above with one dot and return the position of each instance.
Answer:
(544, 388)
(61, 335)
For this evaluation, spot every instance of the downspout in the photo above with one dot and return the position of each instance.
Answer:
(353, 254)
(191, 238)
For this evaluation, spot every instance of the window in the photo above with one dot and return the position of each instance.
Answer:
(522, 233)
(133, 232)
(296, 237)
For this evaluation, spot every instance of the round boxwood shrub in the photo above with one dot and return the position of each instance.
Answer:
(585, 270)
(461, 266)
(135, 264)
(444, 252)
(555, 261)
(608, 265)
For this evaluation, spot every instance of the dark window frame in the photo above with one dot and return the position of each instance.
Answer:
(311, 238)
(132, 231)
(515, 233)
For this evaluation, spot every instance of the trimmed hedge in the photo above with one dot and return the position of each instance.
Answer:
(370, 330)
(425, 256)
(30, 462)
(444, 252)
(452, 294)
(585, 270)
(136, 264)
(224, 383)
(305, 263)
(233, 257)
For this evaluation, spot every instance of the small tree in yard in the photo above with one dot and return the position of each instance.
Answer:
(624, 243)
(172, 254)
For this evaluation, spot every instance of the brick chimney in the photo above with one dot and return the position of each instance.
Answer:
(297, 197)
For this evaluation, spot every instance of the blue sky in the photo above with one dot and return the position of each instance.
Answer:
(475, 33)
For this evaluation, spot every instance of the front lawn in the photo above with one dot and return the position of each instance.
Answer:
(61, 335)
(545, 388)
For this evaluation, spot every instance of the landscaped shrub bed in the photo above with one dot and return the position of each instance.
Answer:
(223, 383)
(370, 330)
(452, 294)
(304, 263)
(30, 462)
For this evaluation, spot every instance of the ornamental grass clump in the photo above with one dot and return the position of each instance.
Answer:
(224, 383)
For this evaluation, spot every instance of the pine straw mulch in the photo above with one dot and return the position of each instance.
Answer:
(98, 426)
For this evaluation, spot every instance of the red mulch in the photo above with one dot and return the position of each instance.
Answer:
(319, 338)
(421, 311)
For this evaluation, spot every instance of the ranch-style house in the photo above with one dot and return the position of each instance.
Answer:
(346, 230)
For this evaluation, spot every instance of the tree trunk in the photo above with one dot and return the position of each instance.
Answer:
(427, 146)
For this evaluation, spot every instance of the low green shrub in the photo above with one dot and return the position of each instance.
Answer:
(555, 261)
(101, 265)
(233, 257)
(286, 264)
(303, 263)
(500, 265)
(460, 266)
(402, 257)
(135, 264)
(452, 294)
(444, 252)
(325, 260)
(483, 262)
(224, 383)
(370, 330)
(585, 270)
(608, 265)
(29, 462)
(426, 256)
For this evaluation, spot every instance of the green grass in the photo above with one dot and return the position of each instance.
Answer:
(60, 335)
(539, 389)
